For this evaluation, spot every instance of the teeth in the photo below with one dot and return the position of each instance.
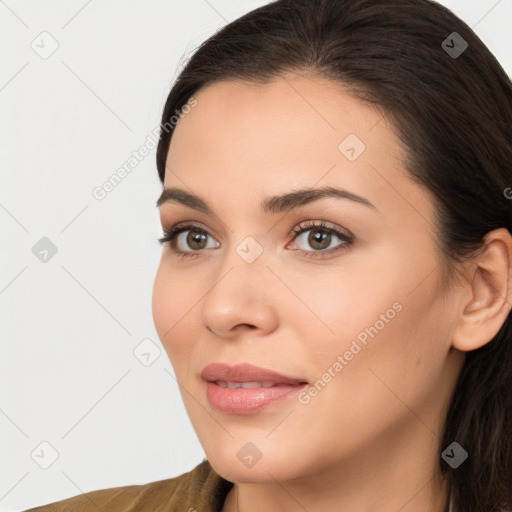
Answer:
(254, 384)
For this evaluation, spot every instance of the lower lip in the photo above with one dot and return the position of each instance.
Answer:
(248, 400)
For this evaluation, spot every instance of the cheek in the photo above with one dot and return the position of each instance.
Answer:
(332, 304)
(174, 307)
(379, 313)
(393, 355)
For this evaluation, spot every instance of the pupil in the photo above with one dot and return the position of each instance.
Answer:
(195, 239)
(317, 237)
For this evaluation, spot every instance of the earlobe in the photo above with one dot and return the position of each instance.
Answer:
(491, 293)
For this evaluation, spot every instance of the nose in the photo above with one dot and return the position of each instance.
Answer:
(242, 299)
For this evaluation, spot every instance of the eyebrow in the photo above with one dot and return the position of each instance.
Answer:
(272, 204)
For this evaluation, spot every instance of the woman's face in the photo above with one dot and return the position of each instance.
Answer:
(363, 323)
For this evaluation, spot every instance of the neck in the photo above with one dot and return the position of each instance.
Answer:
(404, 477)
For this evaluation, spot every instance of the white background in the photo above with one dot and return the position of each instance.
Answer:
(69, 326)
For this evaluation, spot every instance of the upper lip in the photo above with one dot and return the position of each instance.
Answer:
(245, 373)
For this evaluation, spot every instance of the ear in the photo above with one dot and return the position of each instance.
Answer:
(490, 296)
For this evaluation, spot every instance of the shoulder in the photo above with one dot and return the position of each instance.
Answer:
(201, 489)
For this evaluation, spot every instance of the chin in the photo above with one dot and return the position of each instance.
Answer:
(236, 465)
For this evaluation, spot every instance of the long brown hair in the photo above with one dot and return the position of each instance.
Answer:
(450, 102)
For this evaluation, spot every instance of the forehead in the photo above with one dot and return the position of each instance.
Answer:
(295, 114)
(256, 140)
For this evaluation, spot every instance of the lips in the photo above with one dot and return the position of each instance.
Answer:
(247, 389)
(224, 374)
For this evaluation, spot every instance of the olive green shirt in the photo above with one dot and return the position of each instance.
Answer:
(199, 490)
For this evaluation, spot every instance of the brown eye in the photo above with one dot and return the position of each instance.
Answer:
(317, 239)
(196, 239)
(192, 239)
(187, 240)
(320, 239)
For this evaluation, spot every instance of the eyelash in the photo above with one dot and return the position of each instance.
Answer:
(171, 233)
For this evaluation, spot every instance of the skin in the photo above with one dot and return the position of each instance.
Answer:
(371, 438)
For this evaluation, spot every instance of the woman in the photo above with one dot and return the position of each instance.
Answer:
(335, 282)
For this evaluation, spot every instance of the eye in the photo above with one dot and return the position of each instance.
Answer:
(321, 238)
(192, 236)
